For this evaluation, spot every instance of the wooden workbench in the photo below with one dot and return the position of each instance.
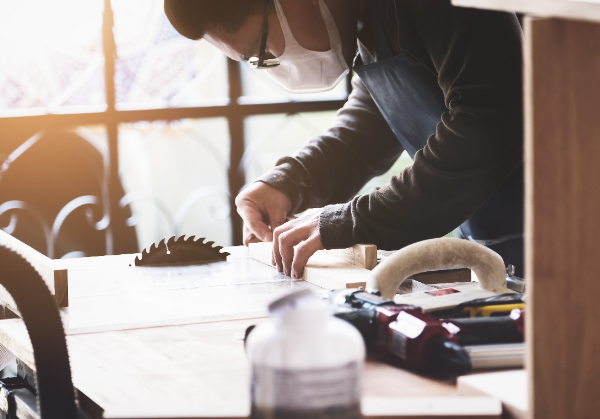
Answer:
(148, 345)
(562, 150)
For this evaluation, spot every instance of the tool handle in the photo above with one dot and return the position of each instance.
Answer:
(444, 253)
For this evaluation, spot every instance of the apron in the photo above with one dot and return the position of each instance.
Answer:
(412, 103)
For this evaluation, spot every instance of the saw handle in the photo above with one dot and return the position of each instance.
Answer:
(443, 253)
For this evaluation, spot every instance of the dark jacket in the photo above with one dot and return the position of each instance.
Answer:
(476, 56)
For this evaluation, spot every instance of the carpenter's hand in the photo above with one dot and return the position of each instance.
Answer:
(295, 242)
(263, 208)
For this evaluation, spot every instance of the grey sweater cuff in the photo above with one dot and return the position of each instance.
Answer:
(336, 226)
(282, 183)
(283, 178)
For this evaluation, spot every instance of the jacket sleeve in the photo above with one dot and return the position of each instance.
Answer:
(477, 144)
(333, 167)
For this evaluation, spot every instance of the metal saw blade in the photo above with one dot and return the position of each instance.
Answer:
(181, 252)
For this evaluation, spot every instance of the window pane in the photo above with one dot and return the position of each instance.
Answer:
(52, 57)
(175, 176)
(259, 87)
(157, 67)
(269, 137)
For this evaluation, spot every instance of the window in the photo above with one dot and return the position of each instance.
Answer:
(165, 130)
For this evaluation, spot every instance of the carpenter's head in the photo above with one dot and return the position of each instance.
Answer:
(307, 45)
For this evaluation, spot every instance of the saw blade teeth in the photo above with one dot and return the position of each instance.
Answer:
(186, 250)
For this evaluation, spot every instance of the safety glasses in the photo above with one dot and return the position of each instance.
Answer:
(260, 62)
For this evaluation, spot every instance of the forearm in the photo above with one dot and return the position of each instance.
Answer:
(332, 167)
(409, 209)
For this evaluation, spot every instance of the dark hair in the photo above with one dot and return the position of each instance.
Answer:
(191, 18)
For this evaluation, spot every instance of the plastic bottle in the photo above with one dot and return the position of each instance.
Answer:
(305, 362)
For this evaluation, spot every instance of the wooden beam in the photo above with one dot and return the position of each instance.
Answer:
(510, 387)
(562, 102)
(572, 9)
(361, 255)
(56, 279)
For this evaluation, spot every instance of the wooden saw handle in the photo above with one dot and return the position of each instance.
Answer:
(444, 253)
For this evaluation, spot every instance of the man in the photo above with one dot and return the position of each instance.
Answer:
(440, 82)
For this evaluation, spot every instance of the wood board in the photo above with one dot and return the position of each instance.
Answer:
(350, 268)
(509, 387)
(562, 98)
(361, 255)
(571, 9)
(55, 277)
(117, 296)
(322, 269)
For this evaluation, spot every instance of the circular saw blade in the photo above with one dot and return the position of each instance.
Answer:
(181, 252)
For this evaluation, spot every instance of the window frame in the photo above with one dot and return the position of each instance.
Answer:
(234, 111)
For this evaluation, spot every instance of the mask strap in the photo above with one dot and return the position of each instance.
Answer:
(332, 29)
(290, 40)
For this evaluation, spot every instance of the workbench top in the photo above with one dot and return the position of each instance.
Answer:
(144, 345)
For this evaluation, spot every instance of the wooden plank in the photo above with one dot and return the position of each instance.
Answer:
(56, 278)
(431, 407)
(123, 297)
(572, 9)
(562, 95)
(361, 255)
(322, 269)
(510, 387)
(329, 271)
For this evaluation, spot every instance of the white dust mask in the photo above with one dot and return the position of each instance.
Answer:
(304, 71)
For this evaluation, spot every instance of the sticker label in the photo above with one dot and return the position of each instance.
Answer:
(445, 291)
(328, 393)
